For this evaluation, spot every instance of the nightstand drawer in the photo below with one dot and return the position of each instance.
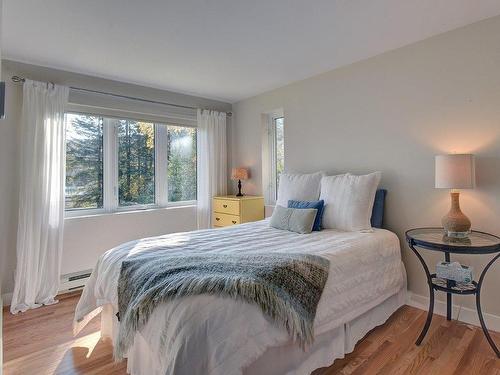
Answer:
(227, 206)
(223, 220)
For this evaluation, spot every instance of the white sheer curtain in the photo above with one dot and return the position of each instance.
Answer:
(212, 162)
(41, 198)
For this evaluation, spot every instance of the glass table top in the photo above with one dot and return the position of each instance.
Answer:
(435, 237)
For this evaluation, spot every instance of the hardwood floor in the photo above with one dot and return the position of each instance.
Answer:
(41, 342)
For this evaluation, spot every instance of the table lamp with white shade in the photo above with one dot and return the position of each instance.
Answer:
(455, 171)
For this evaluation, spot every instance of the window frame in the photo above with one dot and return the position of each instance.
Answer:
(110, 168)
(269, 159)
(274, 157)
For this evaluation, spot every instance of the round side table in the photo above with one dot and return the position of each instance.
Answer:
(434, 239)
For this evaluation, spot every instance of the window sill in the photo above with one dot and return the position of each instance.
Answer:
(125, 211)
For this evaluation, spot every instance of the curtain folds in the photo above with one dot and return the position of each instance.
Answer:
(41, 197)
(212, 162)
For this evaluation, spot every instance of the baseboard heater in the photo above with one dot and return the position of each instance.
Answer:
(74, 281)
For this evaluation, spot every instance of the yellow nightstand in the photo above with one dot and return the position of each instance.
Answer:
(230, 210)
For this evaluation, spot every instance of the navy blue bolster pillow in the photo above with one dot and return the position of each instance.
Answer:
(378, 208)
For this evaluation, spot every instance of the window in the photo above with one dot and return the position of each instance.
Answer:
(122, 164)
(279, 149)
(181, 173)
(136, 163)
(84, 162)
(273, 153)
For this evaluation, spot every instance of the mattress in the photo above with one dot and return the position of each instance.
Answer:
(213, 335)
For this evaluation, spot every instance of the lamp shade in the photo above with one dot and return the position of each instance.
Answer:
(455, 171)
(239, 174)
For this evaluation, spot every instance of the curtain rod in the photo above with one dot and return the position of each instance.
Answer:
(18, 79)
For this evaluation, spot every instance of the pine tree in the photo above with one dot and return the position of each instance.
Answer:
(136, 162)
(84, 166)
(181, 163)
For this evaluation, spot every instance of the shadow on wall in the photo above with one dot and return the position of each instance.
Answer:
(487, 172)
(486, 196)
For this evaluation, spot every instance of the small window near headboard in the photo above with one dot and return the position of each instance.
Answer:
(273, 153)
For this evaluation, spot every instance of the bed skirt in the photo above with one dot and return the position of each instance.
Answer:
(286, 359)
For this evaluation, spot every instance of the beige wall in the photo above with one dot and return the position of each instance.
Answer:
(85, 238)
(393, 113)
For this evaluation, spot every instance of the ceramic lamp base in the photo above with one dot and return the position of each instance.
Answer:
(455, 223)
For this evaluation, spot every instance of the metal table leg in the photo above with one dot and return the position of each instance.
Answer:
(431, 296)
(478, 306)
(448, 295)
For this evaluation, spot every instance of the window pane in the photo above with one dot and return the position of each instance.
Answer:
(136, 163)
(84, 162)
(280, 149)
(181, 163)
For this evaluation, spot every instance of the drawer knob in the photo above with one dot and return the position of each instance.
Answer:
(224, 205)
(234, 221)
(217, 218)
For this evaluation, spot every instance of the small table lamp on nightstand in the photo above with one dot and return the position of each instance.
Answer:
(455, 171)
(239, 174)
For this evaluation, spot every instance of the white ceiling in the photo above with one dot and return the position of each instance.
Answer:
(224, 49)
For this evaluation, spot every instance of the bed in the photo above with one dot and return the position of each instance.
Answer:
(207, 334)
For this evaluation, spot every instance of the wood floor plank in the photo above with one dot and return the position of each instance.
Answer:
(351, 361)
(378, 359)
(412, 357)
(396, 326)
(41, 342)
(471, 360)
(457, 342)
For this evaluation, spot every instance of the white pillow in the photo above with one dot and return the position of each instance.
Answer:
(348, 200)
(301, 187)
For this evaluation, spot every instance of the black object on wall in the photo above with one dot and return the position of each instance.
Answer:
(2, 100)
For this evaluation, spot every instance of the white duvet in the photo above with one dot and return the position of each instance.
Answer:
(212, 335)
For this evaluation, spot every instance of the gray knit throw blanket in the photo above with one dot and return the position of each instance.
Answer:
(287, 287)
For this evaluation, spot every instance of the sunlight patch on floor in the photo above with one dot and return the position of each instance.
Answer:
(89, 342)
(57, 358)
